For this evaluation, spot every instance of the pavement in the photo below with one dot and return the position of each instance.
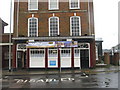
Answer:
(99, 69)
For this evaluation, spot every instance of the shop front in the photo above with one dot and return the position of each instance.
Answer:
(52, 55)
(77, 53)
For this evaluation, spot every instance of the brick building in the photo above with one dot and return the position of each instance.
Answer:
(53, 34)
(4, 44)
(99, 52)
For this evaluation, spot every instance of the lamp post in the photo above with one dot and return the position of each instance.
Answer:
(10, 36)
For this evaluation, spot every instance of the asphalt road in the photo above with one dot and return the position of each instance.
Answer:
(99, 80)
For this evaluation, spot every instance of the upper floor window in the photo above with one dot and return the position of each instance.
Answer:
(33, 27)
(74, 4)
(32, 4)
(53, 26)
(75, 26)
(53, 4)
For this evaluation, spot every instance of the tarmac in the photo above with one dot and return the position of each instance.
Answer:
(101, 68)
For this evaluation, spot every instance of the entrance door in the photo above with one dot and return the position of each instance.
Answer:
(84, 56)
(53, 58)
(19, 60)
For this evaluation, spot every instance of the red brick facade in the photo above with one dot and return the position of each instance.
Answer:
(20, 36)
(43, 14)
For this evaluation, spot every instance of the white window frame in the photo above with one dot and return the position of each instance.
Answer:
(74, 7)
(75, 56)
(19, 49)
(58, 24)
(64, 52)
(38, 52)
(53, 8)
(71, 34)
(29, 26)
(29, 7)
(56, 53)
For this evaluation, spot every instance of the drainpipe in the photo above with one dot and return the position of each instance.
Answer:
(89, 17)
(17, 17)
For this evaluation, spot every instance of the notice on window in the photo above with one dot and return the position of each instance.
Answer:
(52, 63)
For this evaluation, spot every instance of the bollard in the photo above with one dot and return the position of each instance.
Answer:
(106, 58)
(116, 58)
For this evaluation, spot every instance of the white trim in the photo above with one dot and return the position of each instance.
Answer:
(74, 8)
(89, 52)
(16, 57)
(58, 24)
(29, 5)
(4, 44)
(71, 25)
(53, 8)
(53, 38)
(74, 14)
(29, 24)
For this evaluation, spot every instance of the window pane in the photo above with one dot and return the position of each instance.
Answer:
(74, 4)
(33, 24)
(33, 4)
(75, 26)
(52, 53)
(65, 53)
(53, 26)
(53, 4)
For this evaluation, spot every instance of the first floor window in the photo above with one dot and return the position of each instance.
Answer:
(75, 26)
(33, 27)
(53, 26)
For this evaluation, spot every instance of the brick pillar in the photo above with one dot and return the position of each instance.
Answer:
(14, 51)
(106, 58)
(116, 59)
(28, 58)
(72, 57)
(59, 65)
(46, 58)
(92, 54)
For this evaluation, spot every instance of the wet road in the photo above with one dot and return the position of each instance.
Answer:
(100, 80)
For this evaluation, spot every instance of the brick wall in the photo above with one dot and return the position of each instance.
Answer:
(43, 14)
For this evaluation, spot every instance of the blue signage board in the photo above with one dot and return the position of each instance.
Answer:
(52, 63)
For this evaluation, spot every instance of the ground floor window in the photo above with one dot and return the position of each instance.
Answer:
(52, 52)
(77, 52)
(65, 53)
(37, 52)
